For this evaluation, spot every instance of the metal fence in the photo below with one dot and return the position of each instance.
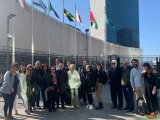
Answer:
(23, 56)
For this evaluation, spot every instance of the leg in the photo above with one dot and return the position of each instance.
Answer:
(120, 97)
(15, 105)
(53, 100)
(43, 97)
(49, 95)
(90, 98)
(6, 98)
(72, 98)
(126, 96)
(76, 98)
(131, 98)
(113, 96)
(38, 91)
(62, 99)
(11, 101)
(57, 98)
(25, 100)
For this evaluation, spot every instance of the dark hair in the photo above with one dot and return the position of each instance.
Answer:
(14, 65)
(99, 64)
(134, 60)
(150, 69)
(91, 70)
(48, 69)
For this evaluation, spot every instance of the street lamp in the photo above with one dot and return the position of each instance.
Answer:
(86, 30)
(9, 37)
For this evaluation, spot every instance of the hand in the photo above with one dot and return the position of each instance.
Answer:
(92, 88)
(134, 90)
(33, 89)
(154, 91)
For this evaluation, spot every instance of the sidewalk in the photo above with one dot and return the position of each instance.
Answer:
(80, 114)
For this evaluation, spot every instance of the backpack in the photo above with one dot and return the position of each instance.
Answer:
(141, 106)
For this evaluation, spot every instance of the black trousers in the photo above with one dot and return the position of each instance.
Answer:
(51, 95)
(60, 96)
(128, 95)
(37, 92)
(44, 98)
(82, 94)
(8, 103)
(116, 92)
(89, 97)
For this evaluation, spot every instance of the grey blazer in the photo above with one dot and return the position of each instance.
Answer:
(8, 82)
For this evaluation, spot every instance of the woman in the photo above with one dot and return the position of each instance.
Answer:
(74, 84)
(52, 89)
(150, 79)
(46, 76)
(23, 89)
(30, 87)
(101, 78)
(89, 85)
(9, 90)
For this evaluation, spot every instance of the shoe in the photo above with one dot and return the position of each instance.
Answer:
(90, 107)
(131, 110)
(126, 108)
(38, 107)
(114, 107)
(16, 112)
(87, 106)
(100, 106)
(27, 112)
(57, 107)
(119, 108)
(50, 110)
(6, 118)
(152, 116)
(10, 117)
(63, 107)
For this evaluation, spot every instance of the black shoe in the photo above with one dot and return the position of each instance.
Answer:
(63, 107)
(53, 110)
(50, 110)
(125, 109)
(119, 108)
(114, 107)
(98, 108)
(57, 107)
(131, 110)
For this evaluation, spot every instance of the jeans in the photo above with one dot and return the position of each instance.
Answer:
(74, 98)
(8, 102)
(128, 95)
(37, 92)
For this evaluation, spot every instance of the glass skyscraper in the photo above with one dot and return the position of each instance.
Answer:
(123, 25)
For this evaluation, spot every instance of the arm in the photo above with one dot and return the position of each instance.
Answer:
(132, 80)
(7, 77)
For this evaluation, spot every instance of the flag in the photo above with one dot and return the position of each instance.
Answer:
(23, 4)
(93, 20)
(78, 18)
(52, 9)
(40, 4)
(70, 17)
(108, 21)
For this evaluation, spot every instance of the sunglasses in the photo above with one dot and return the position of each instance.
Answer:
(113, 63)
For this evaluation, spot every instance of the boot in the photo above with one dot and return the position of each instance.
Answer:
(16, 112)
(100, 106)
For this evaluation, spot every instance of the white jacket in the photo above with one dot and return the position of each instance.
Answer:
(23, 82)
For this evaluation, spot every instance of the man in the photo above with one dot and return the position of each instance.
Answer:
(62, 79)
(127, 88)
(82, 73)
(36, 80)
(68, 64)
(136, 79)
(57, 62)
(115, 75)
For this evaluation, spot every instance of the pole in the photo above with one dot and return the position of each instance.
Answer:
(49, 40)
(75, 36)
(87, 30)
(63, 34)
(105, 40)
(7, 60)
(32, 42)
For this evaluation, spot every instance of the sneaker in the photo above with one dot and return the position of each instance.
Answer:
(27, 112)
(6, 118)
(87, 106)
(90, 107)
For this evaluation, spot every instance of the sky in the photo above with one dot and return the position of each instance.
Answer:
(149, 20)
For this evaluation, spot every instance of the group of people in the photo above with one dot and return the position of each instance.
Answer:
(61, 85)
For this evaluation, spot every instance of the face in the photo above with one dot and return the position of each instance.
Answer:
(38, 64)
(23, 68)
(61, 66)
(14, 69)
(87, 68)
(72, 68)
(125, 64)
(135, 63)
(84, 62)
(57, 62)
(145, 68)
(53, 70)
(113, 64)
(45, 68)
(30, 69)
(98, 67)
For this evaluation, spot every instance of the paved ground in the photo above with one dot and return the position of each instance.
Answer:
(80, 114)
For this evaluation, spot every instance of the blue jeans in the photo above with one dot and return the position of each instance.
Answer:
(8, 102)
(128, 95)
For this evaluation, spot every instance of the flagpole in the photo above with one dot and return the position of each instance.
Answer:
(49, 40)
(75, 36)
(63, 34)
(105, 40)
(32, 42)
(89, 36)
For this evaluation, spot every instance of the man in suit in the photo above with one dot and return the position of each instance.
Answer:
(115, 76)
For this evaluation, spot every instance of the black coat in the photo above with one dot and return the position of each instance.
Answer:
(36, 78)
(115, 77)
(101, 76)
(62, 80)
(46, 77)
(89, 82)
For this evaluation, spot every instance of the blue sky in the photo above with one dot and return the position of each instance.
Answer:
(149, 20)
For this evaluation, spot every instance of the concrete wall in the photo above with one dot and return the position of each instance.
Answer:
(46, 29)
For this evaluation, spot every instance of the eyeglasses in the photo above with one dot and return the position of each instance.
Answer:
(113, 63)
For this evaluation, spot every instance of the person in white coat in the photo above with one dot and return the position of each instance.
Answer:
(23, 90)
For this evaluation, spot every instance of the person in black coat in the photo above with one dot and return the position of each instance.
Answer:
(101, 79)
(62, 78)
(36, 79)
(89, 85)
(150, 79)
(115, 76)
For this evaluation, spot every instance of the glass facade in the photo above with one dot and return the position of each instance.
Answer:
(123, 25)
